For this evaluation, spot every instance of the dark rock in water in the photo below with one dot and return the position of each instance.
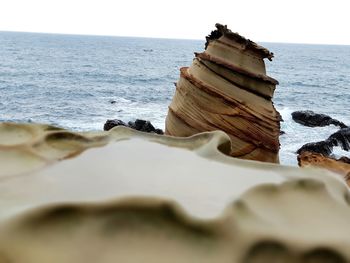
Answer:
(340, 138)
(140, 125)
(322, 147)
(112, 123)
(318, 153)
(312, 119)
(282, 132)
(159, 131)
(145, 126)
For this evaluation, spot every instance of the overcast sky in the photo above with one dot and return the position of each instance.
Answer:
(294, 21)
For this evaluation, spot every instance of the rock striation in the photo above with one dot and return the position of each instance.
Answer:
(226, 88)
(139, 197)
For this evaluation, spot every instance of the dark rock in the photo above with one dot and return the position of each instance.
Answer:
(322, 147)
(344, 159)
(159, 131)
(112, 123)
(312, 119)
(140, 125)
(282, 132)
(340, 138)
(112, 102)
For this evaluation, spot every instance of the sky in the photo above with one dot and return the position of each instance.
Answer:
(291, 21)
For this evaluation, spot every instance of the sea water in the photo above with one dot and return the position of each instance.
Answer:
(78, 82)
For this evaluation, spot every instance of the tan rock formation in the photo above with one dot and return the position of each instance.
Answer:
(150, 198)
(341, 166)
(226, 88)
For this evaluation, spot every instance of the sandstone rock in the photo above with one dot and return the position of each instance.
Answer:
(139, 197)
(226, 88)
(340, 166)
(312, 119)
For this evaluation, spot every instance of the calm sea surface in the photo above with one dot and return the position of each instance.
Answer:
(71, 81)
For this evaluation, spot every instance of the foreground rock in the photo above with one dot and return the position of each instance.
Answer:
(340, 166)
(139, 125)
(312, 119)
(226, 88)
(145, 198)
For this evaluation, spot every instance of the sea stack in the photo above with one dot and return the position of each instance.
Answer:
(226, 88)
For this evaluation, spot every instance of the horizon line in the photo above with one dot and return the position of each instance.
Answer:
(165, 38)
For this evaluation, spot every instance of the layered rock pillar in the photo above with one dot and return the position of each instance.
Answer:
(226, 88)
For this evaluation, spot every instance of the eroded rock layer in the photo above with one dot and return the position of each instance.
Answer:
(226, 88)
(128, 196)
(340, 166)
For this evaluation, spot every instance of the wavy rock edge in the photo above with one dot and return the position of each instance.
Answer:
(257, 225)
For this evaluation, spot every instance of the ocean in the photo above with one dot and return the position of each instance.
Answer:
(78, 82)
